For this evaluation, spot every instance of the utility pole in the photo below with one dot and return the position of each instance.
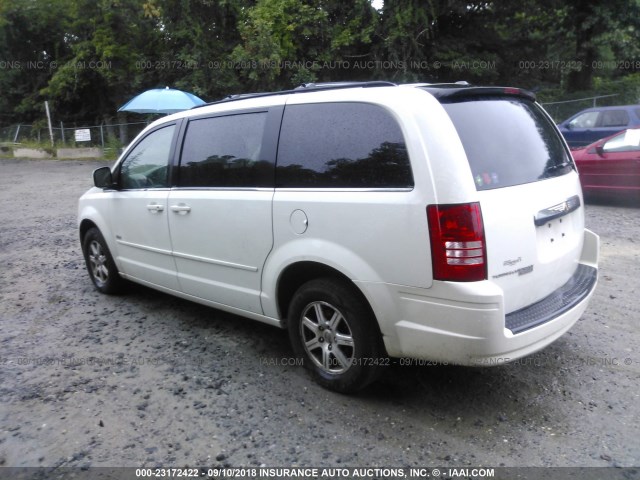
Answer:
(46, 107)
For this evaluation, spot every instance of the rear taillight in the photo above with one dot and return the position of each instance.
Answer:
(458, 248)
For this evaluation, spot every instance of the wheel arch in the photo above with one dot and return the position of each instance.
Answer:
(299, 273)
(312, 335)
(90, 217)
(85, 226)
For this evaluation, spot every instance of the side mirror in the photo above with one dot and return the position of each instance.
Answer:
(600, 149)
(102, 177)
(569, 126)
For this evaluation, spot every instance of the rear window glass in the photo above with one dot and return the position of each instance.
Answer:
(614, 118)
(341, 145)
(508, 141)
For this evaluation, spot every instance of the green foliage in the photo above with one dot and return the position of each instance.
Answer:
(88, 57)
(289, 42)
(627, 88)
(275, 31)
(197, 39)
(31, 38)
(112, 148)
(103, 65)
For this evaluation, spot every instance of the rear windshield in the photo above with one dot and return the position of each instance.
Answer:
(508, 141)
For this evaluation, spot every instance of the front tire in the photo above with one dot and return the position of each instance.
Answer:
(332, 328)
(102, 269)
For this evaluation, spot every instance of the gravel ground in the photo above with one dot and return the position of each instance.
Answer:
(144, 379)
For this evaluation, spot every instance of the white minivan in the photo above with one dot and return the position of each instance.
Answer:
(372, 220)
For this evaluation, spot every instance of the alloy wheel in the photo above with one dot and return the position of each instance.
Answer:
(327, 337)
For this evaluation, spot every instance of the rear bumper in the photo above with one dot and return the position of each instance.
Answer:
(465, 324)
(569, 295)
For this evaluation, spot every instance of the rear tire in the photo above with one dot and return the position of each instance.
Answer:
(102, 269)
(332, 328)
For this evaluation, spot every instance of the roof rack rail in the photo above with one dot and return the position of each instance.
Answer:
(338, 85)
(302, 88)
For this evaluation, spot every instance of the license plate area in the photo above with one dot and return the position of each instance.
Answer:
(556, 237)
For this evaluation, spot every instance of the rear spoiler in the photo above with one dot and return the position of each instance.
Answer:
(456, 92)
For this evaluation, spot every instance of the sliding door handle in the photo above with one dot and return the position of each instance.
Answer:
(155, 207)
(181, 209)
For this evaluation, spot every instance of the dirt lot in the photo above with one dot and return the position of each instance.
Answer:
(145, 379)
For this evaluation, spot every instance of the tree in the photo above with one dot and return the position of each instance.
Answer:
(198, 37)
(32, 39)
(406, 36)
(88, 57)
(288, 42)
(602, 32)
(107, 40)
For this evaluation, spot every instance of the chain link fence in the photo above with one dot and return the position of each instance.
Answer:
(562, 110)
(106, 136)
(116, 136)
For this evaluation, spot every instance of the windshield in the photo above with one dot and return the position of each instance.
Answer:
(508, 141)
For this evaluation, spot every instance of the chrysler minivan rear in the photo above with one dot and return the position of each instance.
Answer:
(514, 267)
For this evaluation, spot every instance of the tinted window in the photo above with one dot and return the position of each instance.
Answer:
(508, 141)
(614, 118)
(146, 166)
(225, 152)
(341, 145)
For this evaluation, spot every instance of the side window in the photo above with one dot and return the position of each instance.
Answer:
(341, 145)
(147, 165)
(628, 141)
(225, 152)
(614, 118)
(586, 120)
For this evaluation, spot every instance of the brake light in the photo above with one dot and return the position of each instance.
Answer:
(458, 248)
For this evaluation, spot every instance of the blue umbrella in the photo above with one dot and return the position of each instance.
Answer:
(161, 100)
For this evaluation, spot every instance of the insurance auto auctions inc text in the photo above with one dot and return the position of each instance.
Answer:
(366, 473)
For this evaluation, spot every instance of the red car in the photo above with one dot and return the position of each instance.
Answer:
(611, 165)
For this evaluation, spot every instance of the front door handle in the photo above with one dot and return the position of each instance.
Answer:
(155, 207)
(181, 209)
